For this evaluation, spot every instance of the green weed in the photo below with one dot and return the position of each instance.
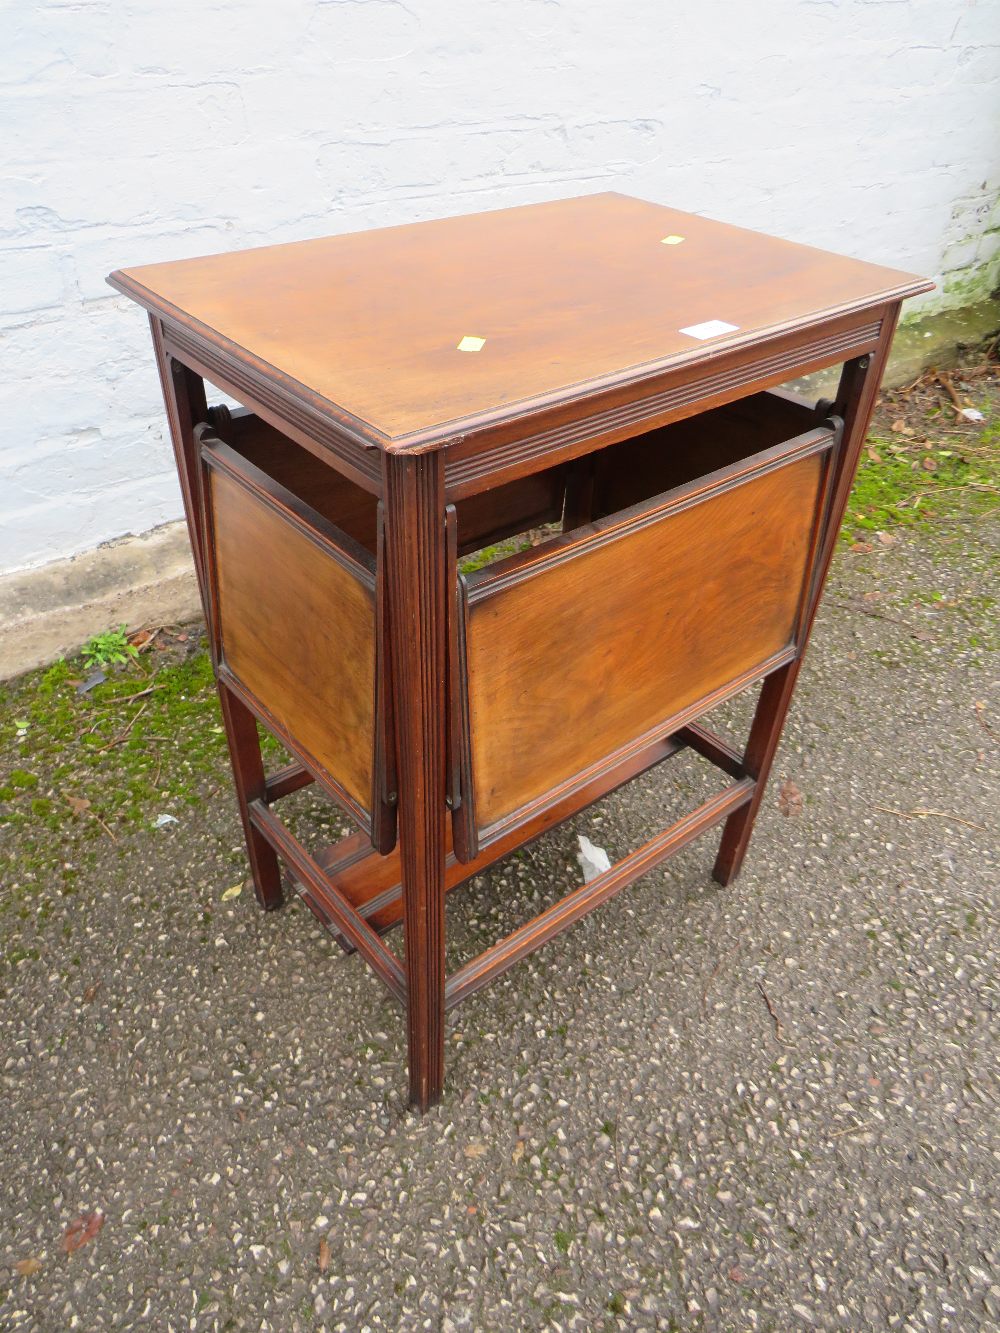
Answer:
(111, 648)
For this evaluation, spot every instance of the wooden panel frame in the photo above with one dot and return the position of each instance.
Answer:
(822, 441)
(656, 461)
(378, 819)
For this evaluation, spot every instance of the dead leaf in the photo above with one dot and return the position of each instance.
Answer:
(790, 799)
(929, 465)
(27, 1267)
(91, 991)
(518, 1152)
(887, 538)
(874, 455)
(82, 1229)
(862, 547)
(323, 1256)
(233, 891)
(78, 804)
(475, 1149)
(140, 638)
(980, 706)
(898, 426)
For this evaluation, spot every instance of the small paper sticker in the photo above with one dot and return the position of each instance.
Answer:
(470, 343)
(672, 240)
(711, 328)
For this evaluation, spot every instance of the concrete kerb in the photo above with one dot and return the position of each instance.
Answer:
(50, 611)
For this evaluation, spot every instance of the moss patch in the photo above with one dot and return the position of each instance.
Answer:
(79, 767)
(924, 463)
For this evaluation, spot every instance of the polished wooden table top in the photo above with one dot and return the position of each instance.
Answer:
(552, 301)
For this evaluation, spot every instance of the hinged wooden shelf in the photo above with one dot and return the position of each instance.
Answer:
(554, 373)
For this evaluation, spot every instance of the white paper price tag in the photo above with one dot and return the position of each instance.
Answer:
(711, 328)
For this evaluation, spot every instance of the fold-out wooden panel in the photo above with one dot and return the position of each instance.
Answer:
(595, 639)
(297, 622)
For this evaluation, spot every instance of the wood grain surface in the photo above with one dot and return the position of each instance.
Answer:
(298, 632)
(569, 296)
(580, 655)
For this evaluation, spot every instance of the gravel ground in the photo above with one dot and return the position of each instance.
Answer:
(767, 1107)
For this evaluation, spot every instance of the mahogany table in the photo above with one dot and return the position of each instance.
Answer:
(416, 393)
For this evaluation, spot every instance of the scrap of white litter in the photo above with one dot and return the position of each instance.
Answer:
(593, 860)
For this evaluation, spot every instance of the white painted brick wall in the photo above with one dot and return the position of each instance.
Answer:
(137, 131)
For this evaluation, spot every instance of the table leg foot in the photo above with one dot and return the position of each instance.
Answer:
(248, 776)
(762, 744)
(733, 847)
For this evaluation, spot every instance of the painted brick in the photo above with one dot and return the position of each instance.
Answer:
(30, 280)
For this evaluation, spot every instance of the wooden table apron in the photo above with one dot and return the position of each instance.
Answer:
(456, 716)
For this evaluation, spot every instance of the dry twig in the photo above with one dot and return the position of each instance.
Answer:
(933, 490)
(128, 698)
(123, 735)
(980, 710)
(851, 1129)
(870, 611)
(104, 826)
(770, 1009)
(944, 379)
(924, 814)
